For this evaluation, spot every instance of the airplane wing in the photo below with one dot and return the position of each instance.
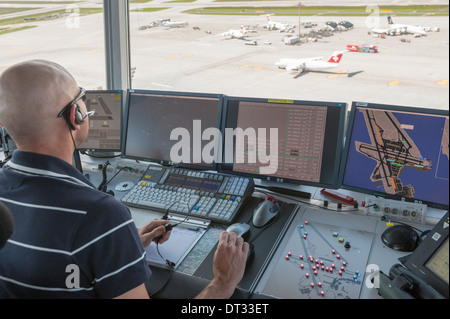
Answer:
(393, 150)
(380, 31)
(299, 66)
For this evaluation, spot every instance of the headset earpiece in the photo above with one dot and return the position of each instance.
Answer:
(78, 115)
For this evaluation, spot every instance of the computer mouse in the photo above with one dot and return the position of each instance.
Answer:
(266, 212)
(241, 229)
(401, 238)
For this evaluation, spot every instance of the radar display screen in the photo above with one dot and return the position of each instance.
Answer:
(398, 152)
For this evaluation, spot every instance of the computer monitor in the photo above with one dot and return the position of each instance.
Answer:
(105, 125)
(430, 259)
(286, 141)
(398, 152)
(173, 128)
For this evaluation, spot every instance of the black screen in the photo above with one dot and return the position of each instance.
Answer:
(173, 127)
(284, 140)
(398, 152)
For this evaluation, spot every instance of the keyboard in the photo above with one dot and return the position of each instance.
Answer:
(213, 196)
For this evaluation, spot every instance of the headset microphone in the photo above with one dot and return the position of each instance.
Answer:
(6, 224)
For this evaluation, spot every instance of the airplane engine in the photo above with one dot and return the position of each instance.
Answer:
(301, 68)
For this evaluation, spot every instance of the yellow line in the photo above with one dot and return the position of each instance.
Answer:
(440, 105)
(370, 95)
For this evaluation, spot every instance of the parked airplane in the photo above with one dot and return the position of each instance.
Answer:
(406, 28)
(173, 24)
(311, 64)
(238, 34)
(272, 25)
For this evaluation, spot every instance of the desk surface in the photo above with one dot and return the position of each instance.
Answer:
(270, 273)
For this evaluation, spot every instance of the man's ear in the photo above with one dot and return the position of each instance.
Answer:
(71, 118)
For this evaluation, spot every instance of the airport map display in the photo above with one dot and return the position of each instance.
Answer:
(399, 153)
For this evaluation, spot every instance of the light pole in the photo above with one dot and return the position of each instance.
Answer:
(299, 5)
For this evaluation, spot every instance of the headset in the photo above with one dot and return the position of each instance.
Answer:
(79, 115)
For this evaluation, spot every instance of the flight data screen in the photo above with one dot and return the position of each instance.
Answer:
(105, 124)
(170, 128)
(399, 153)
(438, 263)
(285, 140)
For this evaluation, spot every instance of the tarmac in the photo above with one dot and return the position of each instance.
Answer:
(199, 59)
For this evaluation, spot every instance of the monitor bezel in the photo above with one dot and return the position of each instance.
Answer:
(103, 150)
(350, 123)
(419, 259)
(194, 166)
(223, 168)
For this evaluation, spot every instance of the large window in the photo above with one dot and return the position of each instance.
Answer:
(215, 46)
(198, 46)
(70, 33)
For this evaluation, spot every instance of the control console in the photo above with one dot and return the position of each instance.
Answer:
(395, 209)
(213, 196)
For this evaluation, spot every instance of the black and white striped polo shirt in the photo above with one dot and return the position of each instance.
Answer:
(70, 240)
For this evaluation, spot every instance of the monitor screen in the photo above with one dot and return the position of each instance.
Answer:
(284, 140)
(429, 261)
(438, 263)
(173, 128)
(398, 152)
(105, 124)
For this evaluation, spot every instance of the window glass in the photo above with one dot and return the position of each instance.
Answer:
(231, 48)
(70, 33)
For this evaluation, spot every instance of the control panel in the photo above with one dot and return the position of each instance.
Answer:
(395, 209)
(323, 255)
(208, 195)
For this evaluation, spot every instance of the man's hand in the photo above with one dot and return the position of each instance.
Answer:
(152, 231)
(228, 266)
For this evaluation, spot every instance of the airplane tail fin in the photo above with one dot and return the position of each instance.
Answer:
(268, 18)
(390, 21)
(336, 57)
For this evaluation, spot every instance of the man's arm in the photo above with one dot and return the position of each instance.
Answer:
(140, 292)
(228, 267)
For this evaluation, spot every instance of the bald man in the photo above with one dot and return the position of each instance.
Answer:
(71, 240)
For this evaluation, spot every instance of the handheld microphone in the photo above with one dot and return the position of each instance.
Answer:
(6, 224)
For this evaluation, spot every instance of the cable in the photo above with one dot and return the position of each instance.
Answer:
(171, 269)
(303, 202)
(169, 227)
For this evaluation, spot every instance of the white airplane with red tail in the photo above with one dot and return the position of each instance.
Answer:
(311, 64)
